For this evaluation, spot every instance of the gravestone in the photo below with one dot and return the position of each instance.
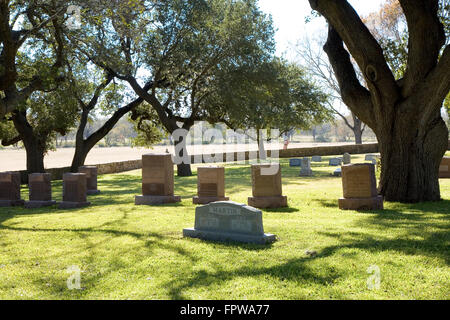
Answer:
(316, 159)
(229, 221)
(91, 178)
(210, 185)
(370, 157)
(295, 162)
(360, 188)
(40, 189)
(306, 171)
(444, 168)
(337, 172)
(335, 162)
(157, 180)
(74, 191)
(347, 158)
(10, 189)
(266, 188)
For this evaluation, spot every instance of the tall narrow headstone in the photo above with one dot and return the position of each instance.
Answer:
(91, 178)
(266, 187)
(229, 221)
(347, 158)
(305, 170)
(10, 189)
(40, 189)
(74, 191)
(157, 180)
(444, 168)
(210, 185)
(360, 188)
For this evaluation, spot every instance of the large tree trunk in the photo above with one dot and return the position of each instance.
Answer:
(410, 155)
(183, 169)
(357, 130)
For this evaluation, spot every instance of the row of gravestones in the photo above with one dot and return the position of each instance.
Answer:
(76, 187)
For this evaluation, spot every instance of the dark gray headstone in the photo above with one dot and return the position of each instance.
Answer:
(306, 168)
(295, 162)
(229, 221)
(347, 158)
(316, 159)
(335, 162)
(337, 172)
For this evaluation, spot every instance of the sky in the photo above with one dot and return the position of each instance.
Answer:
(289, 18)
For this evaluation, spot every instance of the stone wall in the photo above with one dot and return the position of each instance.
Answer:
(117, 167)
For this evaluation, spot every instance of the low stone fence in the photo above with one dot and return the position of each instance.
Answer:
(123, 166)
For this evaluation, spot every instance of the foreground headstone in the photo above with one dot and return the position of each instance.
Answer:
(74, 191)
(40, 188)
(347, 158)
(306, 171)
(266, 188)
(360, 188)
(157, 180)
(295, 162)
(444, 168)
(210, 185)
(229, 221)
(10, 189)
(91, 178)
(316, 159)
(335, 162)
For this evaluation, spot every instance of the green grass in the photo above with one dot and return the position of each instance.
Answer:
(138, 252)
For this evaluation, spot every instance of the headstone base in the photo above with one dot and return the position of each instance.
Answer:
(268, 202)
(93, 192)
(72, 205)
(151, 200)
(206, 200)
(375, 203)
(224, 236)
(12, 203)
(306, 173)
(39, 204)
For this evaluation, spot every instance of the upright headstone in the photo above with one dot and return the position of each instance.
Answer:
(157, 180)
(91, 178)
(347, 158)
(74, 191)
(229, 221)
(266, 187)
(337, 172)
(210, 185)
(335, 162)
(360, 188)
(316, 159)
(444, 168)
(40, 189)
(10, 189)
(370, 157)
(306, 171)
(295, 162)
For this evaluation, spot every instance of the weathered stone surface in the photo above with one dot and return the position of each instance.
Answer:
(10, 189)
(91, 178)
(360, 188)
(347, 158)
(444, 168)
(306, 171)
(266, 187)
(335, 162)
(40, 189)
(210, 185)
(74, 191)
(295, 162)
(157, 180)
(316, 159)
(229, 221)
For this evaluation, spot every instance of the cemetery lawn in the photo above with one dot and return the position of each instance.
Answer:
(138, 252)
